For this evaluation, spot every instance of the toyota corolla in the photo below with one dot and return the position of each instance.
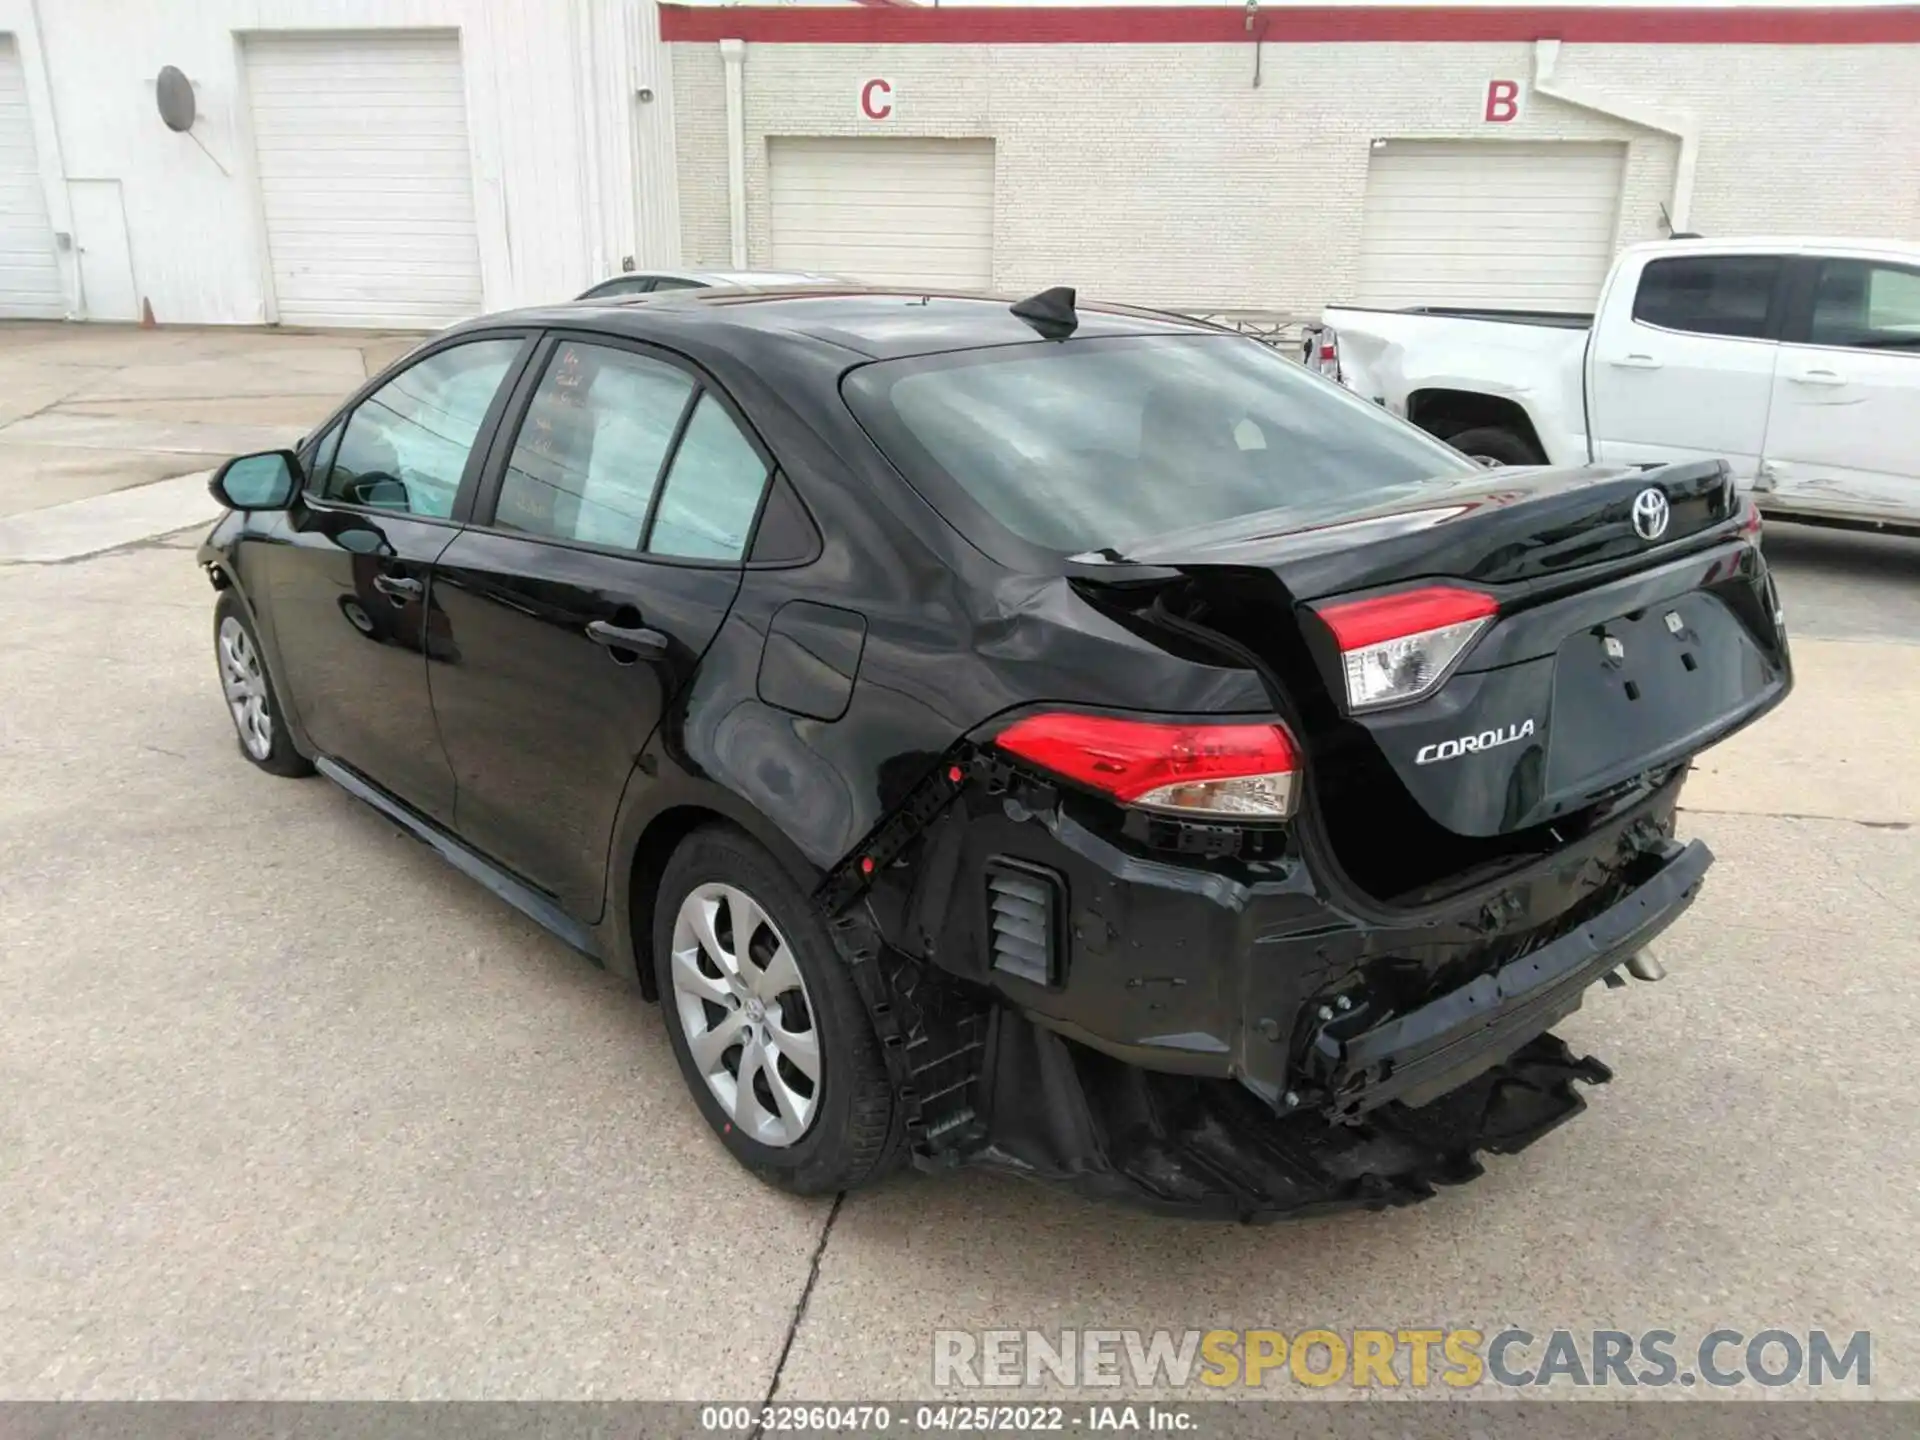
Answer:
(1058, 737)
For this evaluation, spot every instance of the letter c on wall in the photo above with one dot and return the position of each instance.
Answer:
(876, 99)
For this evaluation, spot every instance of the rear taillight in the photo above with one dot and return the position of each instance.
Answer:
(1396, 648)
(1323, 351)
(1188, 768)
(1750, 520)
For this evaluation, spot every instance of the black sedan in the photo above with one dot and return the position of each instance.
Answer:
(1065, 738)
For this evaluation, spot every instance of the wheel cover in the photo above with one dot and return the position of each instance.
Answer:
(745, 1013)
(245, 684)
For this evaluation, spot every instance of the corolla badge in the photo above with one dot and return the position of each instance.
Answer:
(1650, 514)
(1472, 744)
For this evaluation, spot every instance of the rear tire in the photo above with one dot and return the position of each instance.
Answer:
(762, 1009)
(247, 686)
(1491, 444)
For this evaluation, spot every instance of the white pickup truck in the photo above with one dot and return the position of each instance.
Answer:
(1797, 361)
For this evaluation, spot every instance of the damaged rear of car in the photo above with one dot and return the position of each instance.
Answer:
(1070, 739)
(1319, 772)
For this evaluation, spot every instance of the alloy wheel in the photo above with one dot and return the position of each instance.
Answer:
(245, 685)
(746, 1015)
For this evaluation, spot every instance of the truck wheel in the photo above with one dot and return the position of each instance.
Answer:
(1491, 445)
(770, 1033)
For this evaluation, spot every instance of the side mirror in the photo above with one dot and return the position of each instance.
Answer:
(267, 481)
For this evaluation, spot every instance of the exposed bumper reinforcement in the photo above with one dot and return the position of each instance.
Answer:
(1419, 1056)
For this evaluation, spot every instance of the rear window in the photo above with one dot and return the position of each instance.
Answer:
(1100, 443)
(1729, 295)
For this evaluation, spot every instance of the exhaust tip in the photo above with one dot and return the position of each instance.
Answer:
(1644, 965)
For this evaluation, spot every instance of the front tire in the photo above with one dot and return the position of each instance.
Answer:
(247, 687)
(771, 1035)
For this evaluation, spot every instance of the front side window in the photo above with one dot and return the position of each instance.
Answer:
(589, 452)
(1866, 306)
(1102, 443)
(712, 491)
(406, 445)
(1730, 295)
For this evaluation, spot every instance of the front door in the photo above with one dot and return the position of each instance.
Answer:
(1843, 439)
(606, 551)
(1685, 371)
(354, 619)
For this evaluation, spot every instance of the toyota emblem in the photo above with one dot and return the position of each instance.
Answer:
(1650, 514)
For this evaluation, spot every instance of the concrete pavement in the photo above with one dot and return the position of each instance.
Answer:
(289, 1108)
(90, 409)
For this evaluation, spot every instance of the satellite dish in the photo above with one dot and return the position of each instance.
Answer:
(173, 92)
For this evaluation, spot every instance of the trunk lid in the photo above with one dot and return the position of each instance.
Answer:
(1618, 650)
(1495, 527)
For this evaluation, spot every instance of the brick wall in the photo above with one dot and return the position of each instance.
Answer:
(1158, 173)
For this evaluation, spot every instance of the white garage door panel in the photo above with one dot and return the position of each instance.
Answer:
(893, 211)
(365, 180)
(1530, 226)
(29, 272)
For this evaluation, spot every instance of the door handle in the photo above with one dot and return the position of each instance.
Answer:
(650, 644)
(1635, 362)
(1818, 377)
(399, 588)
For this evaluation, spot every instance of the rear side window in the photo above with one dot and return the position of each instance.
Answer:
(589, 452)
(1866, 306)
(712, 491)
(1101, 443)
(1732, 295)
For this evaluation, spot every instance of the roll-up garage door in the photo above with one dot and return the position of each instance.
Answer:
(1515, 225)
(29, 271)
(365, 181)
(895, 211)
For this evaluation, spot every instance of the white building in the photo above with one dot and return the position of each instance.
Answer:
(407, 162)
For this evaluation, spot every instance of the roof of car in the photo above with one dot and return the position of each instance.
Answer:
(876, 323)
(1791, 244)
(760, 278)
(752, 277)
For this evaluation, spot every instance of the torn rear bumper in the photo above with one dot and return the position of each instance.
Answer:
(1401, 1104)
(1419, 1056)
(1203, 1148)
(1229, 1039)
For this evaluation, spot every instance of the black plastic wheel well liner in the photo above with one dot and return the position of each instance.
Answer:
(657, 843)
(1446, 413)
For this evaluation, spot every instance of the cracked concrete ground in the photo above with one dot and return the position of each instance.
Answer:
(290, 1109)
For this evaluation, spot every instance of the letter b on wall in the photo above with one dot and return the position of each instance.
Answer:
(1503, 102)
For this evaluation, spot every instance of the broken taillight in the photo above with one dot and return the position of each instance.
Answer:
(1197, 768)
(1397, 648)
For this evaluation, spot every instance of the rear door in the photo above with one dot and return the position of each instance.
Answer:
(352, 616)
(1682, 358)
(1843, 435)
(607, 548)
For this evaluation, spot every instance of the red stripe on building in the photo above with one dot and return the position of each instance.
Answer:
(866, 24)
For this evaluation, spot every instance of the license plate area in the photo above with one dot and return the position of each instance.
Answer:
(1635, 685)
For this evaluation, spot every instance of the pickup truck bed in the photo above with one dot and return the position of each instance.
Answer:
(1501, 385)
